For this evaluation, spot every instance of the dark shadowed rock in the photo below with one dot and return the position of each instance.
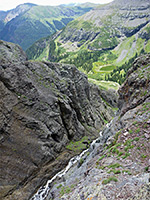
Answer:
(110, 96)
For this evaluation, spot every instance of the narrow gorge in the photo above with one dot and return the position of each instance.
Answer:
(117, 164)
(44, 106)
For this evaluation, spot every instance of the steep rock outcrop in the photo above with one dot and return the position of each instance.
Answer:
(43, 106)
(136, 88)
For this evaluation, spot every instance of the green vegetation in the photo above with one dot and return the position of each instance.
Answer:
(135, 122)
(104, 58)
(119, 74)
(81, 161)
(100, 66)
(39, 22)
(103, 156)
(129, 147)
(112, 178)
(120, 153)
(78, 146)
(137, 130)
(59, 186)
(105, 84)
(146, 169)
(128, 142)
(115, 140)
(113, 166)
(126, 155)
(143, 156)
(130, 131)
(65, 190)
(114, 171)
(136, 139)
(127, 171)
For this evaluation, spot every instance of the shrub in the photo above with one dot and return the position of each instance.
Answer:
(136, 139)
(143, 156)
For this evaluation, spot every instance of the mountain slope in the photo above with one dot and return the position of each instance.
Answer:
(21, 9)
(28, 22)
(43, 107)
(101, 40)
(117, 165)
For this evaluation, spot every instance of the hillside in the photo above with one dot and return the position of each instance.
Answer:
(29, 22)
(50, 113)
(43, 107)
(103, 42)
(117, 164)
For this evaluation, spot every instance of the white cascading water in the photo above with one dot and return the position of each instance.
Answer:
(43, 192)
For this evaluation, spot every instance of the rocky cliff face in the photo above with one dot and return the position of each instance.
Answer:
(136, 88)
(43, 106)
(117, 167)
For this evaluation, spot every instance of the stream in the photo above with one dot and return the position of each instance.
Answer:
(43, 191)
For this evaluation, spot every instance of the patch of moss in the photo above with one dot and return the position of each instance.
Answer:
(130, 131)
(114, 171)
(78, 146)
(103, 156)
(143, 156)
(115, 165)
(127, 171)
(112, 178)
(126, 155)
(137, 130)
(136, 139)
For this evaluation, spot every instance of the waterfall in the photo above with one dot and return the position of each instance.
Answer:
(43, 192)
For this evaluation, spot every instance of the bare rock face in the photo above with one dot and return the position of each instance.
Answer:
(10, 53)
(43, 106)
(136, 88)
(111, 97)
